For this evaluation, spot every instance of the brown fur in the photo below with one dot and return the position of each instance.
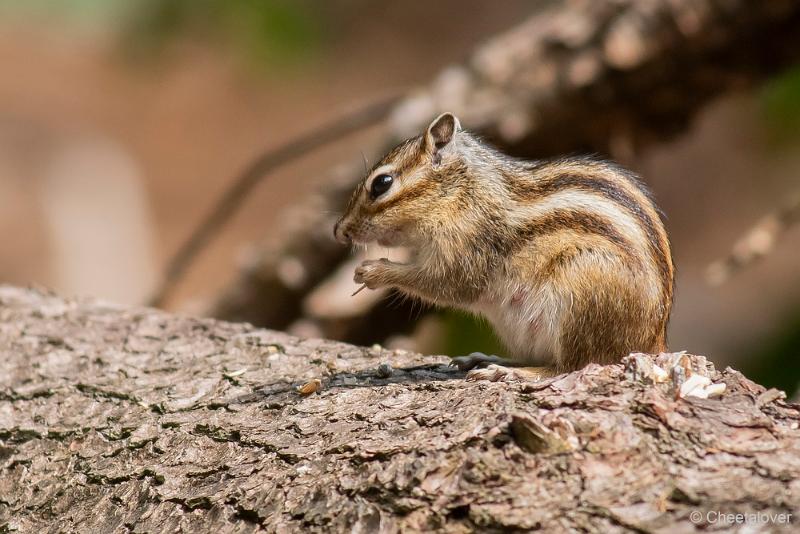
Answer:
(569, 284)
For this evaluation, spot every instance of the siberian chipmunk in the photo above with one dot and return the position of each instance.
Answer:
(567, 259)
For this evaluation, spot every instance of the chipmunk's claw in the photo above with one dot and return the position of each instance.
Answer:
(475, 359)
(370, 272)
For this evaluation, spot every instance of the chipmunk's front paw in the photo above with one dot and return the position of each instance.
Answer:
(372, 273)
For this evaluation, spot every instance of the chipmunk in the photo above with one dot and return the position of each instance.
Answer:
(567, 259)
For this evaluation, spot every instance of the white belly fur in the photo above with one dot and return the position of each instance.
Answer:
(527, 320)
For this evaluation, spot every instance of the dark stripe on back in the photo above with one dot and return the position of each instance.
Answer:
(540, 188)
(577, 221)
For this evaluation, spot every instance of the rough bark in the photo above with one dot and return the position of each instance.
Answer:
(133, 420)
(606, 76)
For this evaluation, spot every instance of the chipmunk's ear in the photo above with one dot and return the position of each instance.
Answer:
(441, 131)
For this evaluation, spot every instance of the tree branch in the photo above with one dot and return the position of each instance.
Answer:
(133, 420)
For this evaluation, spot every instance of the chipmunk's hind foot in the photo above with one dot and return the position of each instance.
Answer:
(499, 373)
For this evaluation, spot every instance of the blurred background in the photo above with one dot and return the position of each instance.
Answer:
(122, 122)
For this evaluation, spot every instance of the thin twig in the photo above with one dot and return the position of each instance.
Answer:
(252, 175)
(756, 243)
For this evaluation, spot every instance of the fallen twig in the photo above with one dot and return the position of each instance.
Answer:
(756, 243)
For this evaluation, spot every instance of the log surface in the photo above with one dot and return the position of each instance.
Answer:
(133, 420)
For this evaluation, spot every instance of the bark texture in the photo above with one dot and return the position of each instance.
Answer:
(605, 76)
(133, 420)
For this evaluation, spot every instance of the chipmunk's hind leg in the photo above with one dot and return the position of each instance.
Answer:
(499, 373)
(604, 326)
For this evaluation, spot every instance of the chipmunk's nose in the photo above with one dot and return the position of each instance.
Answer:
(341, 235)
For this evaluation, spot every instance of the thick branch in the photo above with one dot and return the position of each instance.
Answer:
(116, 420)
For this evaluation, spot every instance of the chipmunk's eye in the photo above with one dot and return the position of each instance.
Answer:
(380, 185)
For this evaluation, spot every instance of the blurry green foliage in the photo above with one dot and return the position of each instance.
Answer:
(780, 99)
(465, 334)
(89, 11)
(775, 361)
(267, 30)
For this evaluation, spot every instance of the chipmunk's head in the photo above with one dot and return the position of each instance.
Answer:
(406, 191)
